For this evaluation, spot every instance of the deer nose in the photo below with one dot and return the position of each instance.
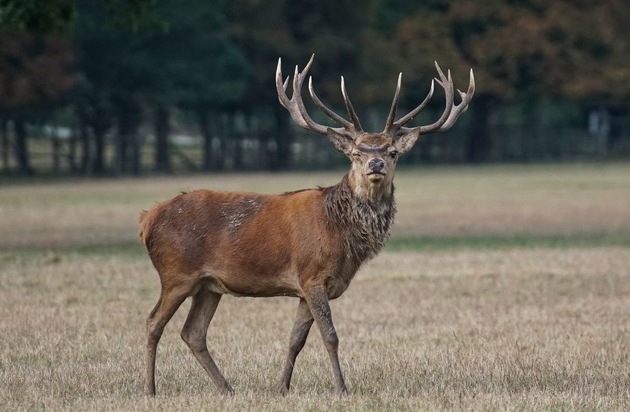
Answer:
(376, 165)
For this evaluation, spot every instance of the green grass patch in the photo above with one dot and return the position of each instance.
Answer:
(419, 243)
(121, 249)
(53, 255)
(507, 242)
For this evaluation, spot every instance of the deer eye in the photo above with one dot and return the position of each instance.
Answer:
(356, 154)
(393, 154)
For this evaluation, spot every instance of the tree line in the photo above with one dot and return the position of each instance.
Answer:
(125, 76)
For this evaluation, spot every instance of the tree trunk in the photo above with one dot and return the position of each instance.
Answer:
(206, 133)
(86, 148)
(122, 147)
(479, 140)
(21, 147)
(4, 144)
(237, 143)
(72, 153)
(56, 154)
(92, 130)
(283, 142)
(136, 152)
(601, 126)
(162, 131)
(127, 145)
(98, 160)
(222, 131)
(263, 155)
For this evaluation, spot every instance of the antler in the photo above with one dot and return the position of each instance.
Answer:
(449, 116)
(297, 110)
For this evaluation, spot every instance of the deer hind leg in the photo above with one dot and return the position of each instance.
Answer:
(317, 299)
(301, 327)
(170, 300)
(194, 333)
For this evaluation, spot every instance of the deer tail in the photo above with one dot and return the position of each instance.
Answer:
(145, 219)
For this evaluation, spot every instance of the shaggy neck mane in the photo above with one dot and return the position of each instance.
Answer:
(363, 222)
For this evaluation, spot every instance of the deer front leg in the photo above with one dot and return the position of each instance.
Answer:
(317, 299)
(301, 327)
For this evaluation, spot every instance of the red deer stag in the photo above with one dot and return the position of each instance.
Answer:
(308, 244)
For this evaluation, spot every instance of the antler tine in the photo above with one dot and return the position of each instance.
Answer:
(451, 110)
(286, 83)
(298, 80)
(328, 112)
(454, 112)
(296, 108)
(412, 114)
(462, 106)
(394, 108)
(447, 84)
(351, 113)
(295, 105)
(280, 87)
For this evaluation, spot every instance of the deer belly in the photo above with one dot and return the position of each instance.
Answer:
(253, 285)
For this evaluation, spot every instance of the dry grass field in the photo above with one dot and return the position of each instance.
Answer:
(502, 288)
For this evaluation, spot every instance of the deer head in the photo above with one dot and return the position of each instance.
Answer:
(373, 155)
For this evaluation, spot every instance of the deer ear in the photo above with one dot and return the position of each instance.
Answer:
(406, 142)
(340, 142)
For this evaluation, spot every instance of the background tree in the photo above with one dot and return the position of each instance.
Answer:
(189, 63)
(58, 16)
(196, 67)
(35, 73)
(141, 62)
(48, 22)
